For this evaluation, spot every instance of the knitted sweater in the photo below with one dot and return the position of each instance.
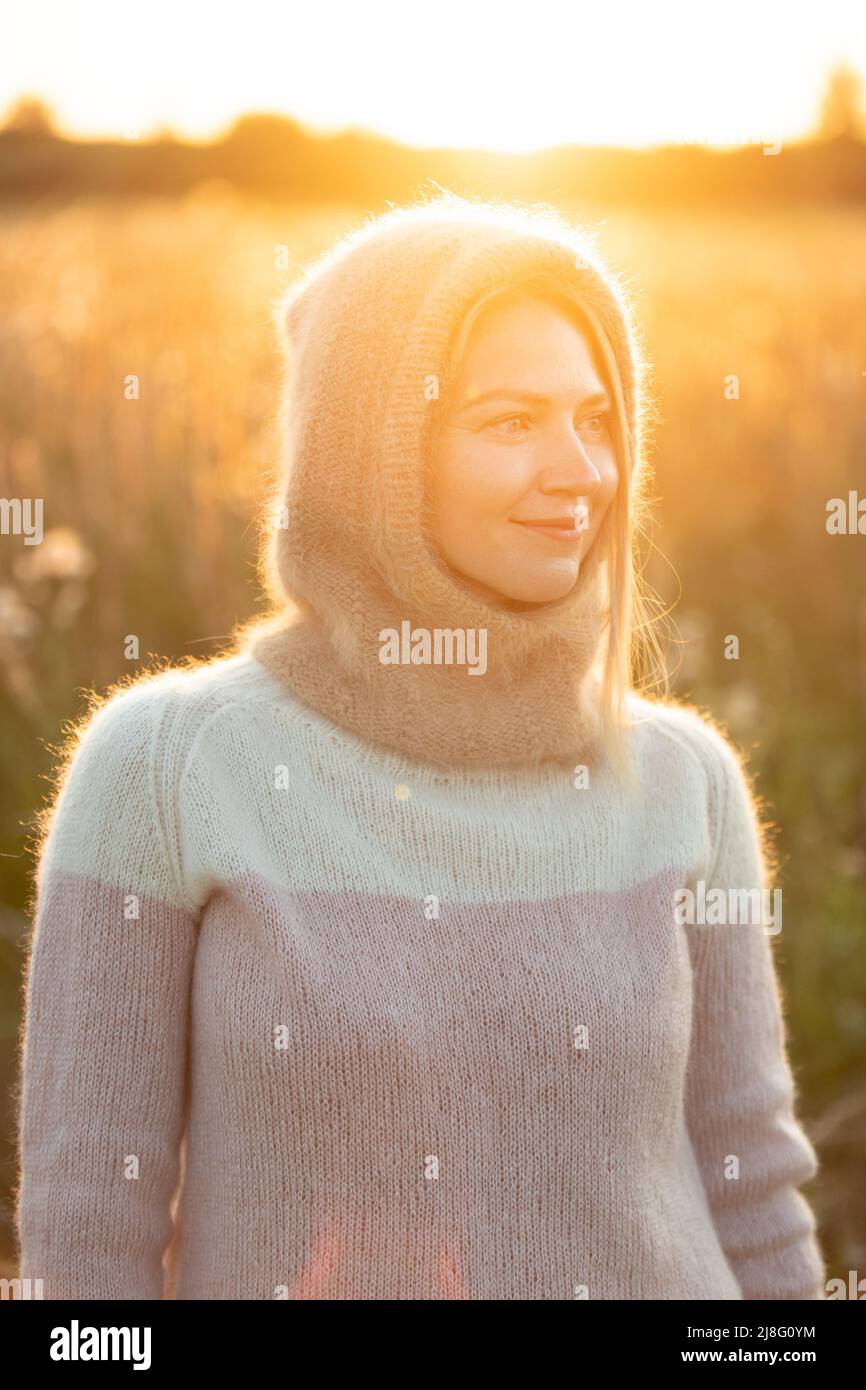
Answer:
(307, 1020)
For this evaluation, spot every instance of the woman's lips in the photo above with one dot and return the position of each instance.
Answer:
(558, 533)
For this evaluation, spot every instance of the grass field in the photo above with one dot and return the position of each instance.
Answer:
(151, 505)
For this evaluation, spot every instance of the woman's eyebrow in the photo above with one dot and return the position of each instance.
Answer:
(598, 398)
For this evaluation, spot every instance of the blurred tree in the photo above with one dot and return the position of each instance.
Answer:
(163, 134)
(31, 115)
(842, 110)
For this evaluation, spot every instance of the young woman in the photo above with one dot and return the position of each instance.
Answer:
(359, 967)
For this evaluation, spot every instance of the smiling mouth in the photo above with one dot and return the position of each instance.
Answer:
(559, 529)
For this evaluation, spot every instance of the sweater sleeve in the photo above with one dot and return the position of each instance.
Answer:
(740, 1089)
(103, 1047)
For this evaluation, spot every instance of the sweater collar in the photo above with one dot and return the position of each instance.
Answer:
(467, 684)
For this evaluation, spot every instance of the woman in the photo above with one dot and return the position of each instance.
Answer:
(358, 971)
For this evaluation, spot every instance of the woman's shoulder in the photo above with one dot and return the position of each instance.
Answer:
(721, 780)
(178, 700)
(117, 785)
(690, 731)
(137, 739)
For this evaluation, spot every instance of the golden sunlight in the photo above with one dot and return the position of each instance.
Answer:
(494, 77)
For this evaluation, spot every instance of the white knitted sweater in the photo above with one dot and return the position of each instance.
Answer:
(307, 1020)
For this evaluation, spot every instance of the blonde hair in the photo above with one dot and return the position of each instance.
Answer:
(634, 658)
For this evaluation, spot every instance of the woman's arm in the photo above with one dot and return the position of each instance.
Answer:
(740, 1089)
(104, 1039)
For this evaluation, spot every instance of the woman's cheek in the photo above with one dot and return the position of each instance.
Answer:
(609, 470)
(502, 472)
(609, 484)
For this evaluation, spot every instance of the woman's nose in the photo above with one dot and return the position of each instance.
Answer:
(572, 472)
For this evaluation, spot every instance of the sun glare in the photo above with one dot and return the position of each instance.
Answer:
(484, 76)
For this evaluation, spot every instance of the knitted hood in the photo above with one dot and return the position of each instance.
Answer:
(351, 563)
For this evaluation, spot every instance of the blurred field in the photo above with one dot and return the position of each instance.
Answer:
(151, 508)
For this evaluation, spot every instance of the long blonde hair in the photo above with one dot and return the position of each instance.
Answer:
(634, 657)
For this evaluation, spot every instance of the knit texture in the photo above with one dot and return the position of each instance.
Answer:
(369, 332)
(307, 1019)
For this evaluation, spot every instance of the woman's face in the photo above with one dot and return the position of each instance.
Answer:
(528, 437)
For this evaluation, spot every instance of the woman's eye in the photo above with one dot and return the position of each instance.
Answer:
(507, 420)
(594, 425)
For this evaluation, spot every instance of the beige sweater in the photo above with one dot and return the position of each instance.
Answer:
(397, 1033)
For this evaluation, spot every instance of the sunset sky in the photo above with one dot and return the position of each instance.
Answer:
(504, 76)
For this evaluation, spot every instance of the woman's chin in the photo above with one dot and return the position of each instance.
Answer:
(523, 587)
(545, 588)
